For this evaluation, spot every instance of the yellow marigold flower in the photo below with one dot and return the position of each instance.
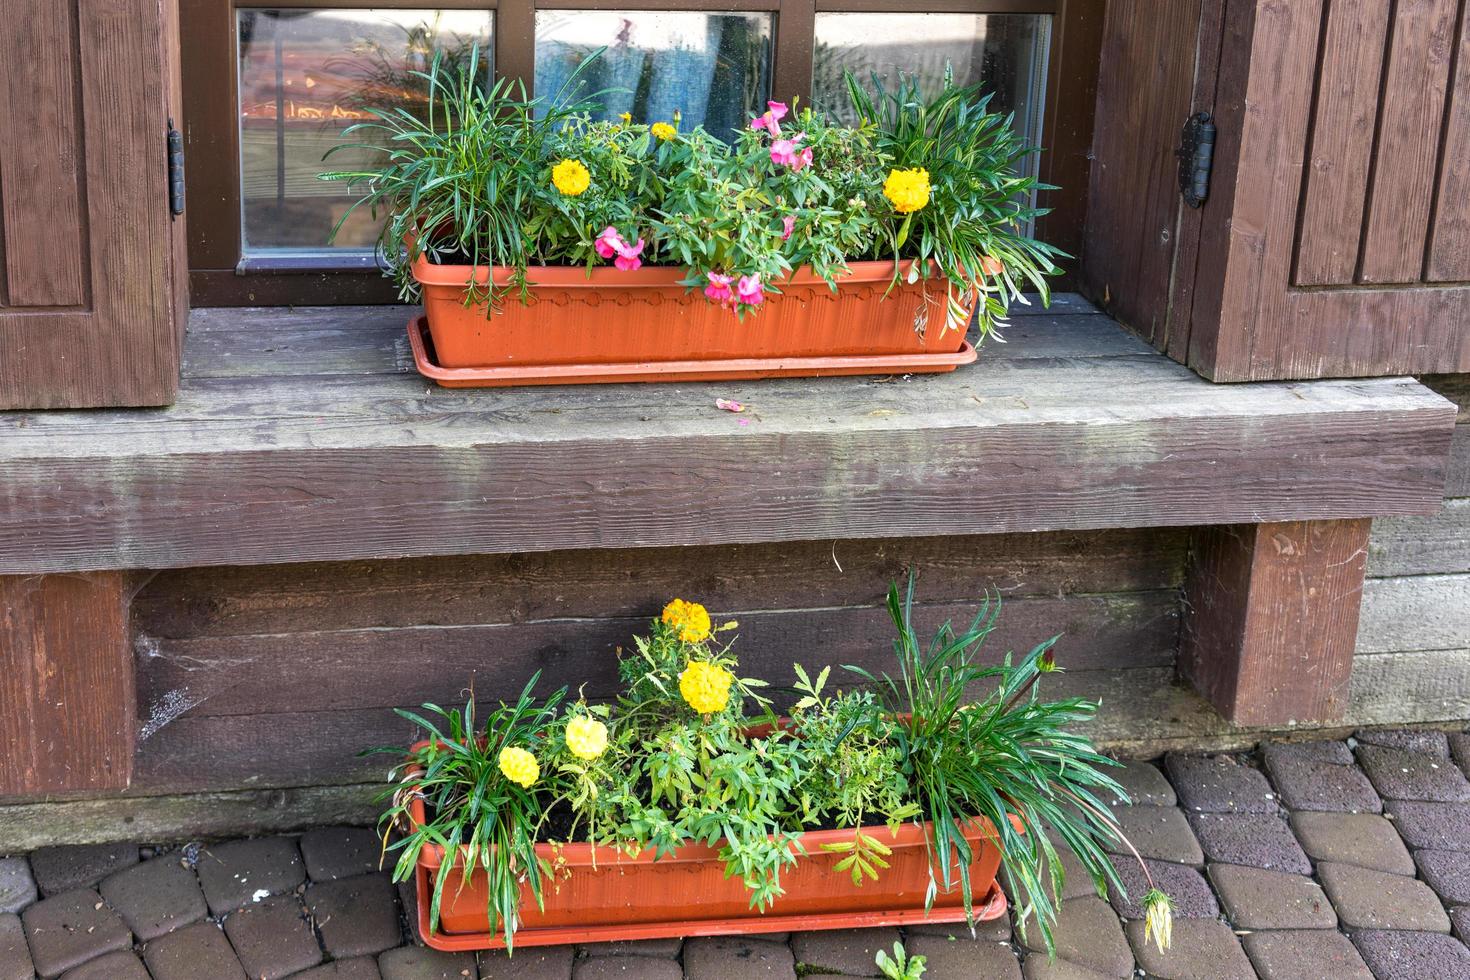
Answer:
(907, 189)
(706, 686)
(689, 618)
(626, 117)
(571, 177)
(519, 766)
(663, 130)
(586, 737)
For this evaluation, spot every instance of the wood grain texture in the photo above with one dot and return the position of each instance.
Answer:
(1247, 323)
(122, 349)
(1449, 233)
(1344, 119)
(1415, 612)
(42, 201)
(1099, 433)
(67, 684)
(1411, 114)
(1272, 613)
(1422, 545)
(1149, 62)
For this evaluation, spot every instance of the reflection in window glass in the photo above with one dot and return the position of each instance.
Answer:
(305, 76)
(714, 69)
(1004, 53)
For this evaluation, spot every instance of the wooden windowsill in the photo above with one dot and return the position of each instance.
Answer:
(306, 435)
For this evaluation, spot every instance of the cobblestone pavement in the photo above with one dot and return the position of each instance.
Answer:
(1329, 859)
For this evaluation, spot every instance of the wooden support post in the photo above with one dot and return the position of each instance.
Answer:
(1271, 618)
(67, 692)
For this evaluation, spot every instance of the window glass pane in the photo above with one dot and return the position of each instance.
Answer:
(1005, 53)
(305, 76)
(714, 69)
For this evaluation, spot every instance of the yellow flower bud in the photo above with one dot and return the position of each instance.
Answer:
(519, 766)
(706, 686)
(689, 618)
(586, 737)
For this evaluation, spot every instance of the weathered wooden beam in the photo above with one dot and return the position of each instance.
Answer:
(1271, 618)
(66, 688)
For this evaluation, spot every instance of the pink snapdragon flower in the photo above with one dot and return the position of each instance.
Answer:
(749, 291)
(770, 120)
(789, 153)
(718, 289)
(788, 225)
(610, 244)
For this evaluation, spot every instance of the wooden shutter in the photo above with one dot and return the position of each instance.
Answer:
(92, 298)
(1336, 238)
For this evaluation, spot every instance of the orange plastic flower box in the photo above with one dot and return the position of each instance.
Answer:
(604, 894)
(642, 325)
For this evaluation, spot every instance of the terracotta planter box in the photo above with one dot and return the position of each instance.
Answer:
(643, 325)
(687, 893)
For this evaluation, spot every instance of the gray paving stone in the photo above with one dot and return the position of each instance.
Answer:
(1447, 872)
(995, 930)
(1413, 955)
(737, 958)
(1192, 896)
(357, 968)
(1365, 839)
(1331, 752)
(416, 963)
(532, 963)
(961, 958)
(1076, 882)
(67, 930)
(1427, 742)
(1160, 832)
(273, 938)
(155, 897)
(67, 868)
(849, 951)
(1088, 933)
(113, 966)
(1261, 840)
(1219, 784)
(1437, 825)
(1410, 776)
(340, 852)
(15, 956)
(17, 885)
(627, 968)
(1305, 784)
(635, 947)
(1305, 954)
(1367, 899)
(355, 916)
(1460, 750)
(238, 872)
(1203, 949)
(1144, 784)
(1040, 968)
(192, 953)
(1460, 923)
(1254, 898)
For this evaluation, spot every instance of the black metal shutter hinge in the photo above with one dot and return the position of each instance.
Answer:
(1196, 158)
(175, 170)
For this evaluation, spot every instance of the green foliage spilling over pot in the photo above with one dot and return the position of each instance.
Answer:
(486, 177)
(678, 760)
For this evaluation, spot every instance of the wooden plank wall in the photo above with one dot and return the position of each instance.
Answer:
(277, 676)
(1415, 621)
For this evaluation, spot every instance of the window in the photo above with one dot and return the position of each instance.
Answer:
(269, 87)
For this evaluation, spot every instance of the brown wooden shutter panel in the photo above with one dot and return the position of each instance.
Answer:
(91, 295)
(1336, 239)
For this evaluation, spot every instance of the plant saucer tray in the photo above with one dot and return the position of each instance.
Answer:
(992, 905)
(717, 369)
